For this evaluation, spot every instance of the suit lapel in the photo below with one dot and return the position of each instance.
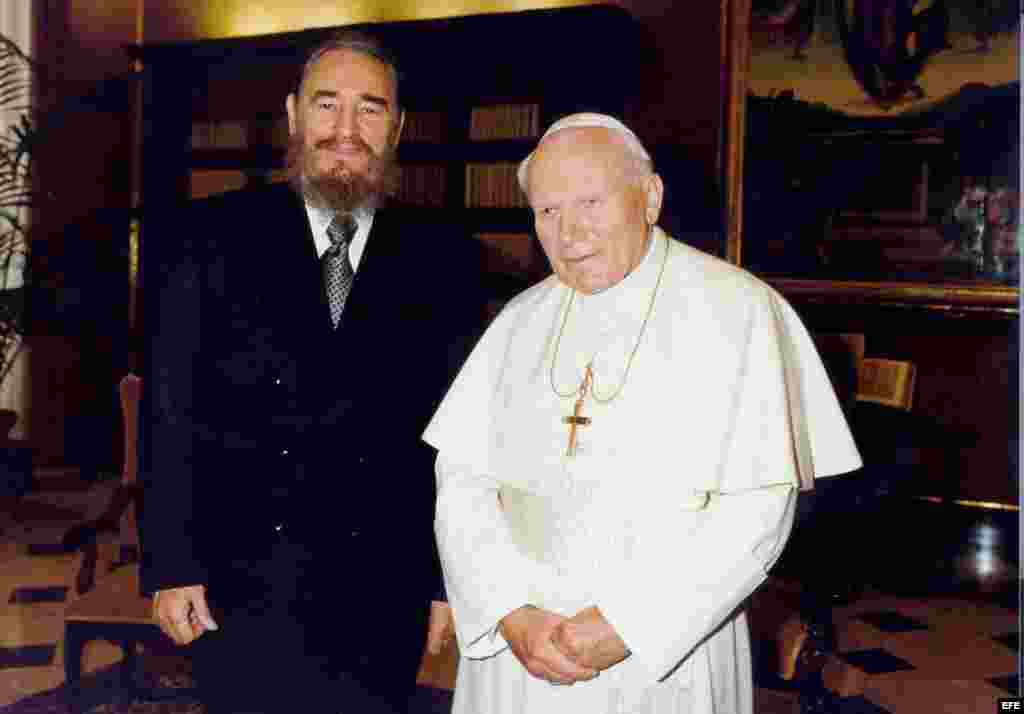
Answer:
(299, 294)
(377, 293)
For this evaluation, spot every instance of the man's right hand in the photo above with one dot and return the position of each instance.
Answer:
(182, 613)
(529, 632)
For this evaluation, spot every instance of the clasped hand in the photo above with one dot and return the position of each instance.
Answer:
(563, 650)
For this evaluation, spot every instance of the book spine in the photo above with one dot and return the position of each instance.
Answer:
(503, 121)
(422, 185)
(493, 186)
(425, 127)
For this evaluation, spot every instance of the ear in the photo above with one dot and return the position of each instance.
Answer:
(654, 191)
(398, 129)
(289, 105)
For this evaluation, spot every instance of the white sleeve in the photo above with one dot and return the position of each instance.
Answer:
(485, 575)
(692, 572)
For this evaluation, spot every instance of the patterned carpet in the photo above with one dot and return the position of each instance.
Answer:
(920, 647)
(35, 575)
(103, 693)
(895, 654)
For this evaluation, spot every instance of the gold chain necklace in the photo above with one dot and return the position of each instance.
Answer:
(588, 380)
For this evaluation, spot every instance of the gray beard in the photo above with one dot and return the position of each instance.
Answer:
(336, 196)
(350, 192)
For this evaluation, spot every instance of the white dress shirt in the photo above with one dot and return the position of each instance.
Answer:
(319, 221)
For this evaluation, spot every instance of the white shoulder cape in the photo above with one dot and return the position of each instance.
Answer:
(727, 392)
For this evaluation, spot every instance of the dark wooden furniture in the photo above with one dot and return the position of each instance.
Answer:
(105, 599)
(115, 612)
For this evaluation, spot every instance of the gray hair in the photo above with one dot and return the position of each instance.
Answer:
(640, 163)
(354, 41)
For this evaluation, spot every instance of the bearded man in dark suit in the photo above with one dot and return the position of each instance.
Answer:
(300, 337)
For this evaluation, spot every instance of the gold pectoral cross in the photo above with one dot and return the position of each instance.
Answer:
(577, 419)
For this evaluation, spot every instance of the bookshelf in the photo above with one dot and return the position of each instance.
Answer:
(476, 101)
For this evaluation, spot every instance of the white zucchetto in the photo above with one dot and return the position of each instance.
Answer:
(585, 120)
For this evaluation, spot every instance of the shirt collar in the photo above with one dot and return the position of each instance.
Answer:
(320, 219)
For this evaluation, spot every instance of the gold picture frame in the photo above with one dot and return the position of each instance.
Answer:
(935, 292)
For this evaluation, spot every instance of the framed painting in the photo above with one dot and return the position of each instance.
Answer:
(873, 149)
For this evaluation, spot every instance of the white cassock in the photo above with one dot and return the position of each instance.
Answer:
(680, 496)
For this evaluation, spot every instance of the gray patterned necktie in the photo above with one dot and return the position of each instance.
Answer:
(338, 273)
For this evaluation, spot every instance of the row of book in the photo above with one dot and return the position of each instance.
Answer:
(422, 185)
(239, 134)
(487, 185)
(487, 123)
(424, 127)
(504, 121)
(211, 182)
(220, 135)
(493, 186)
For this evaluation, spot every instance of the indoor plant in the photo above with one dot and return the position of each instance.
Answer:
(17, 142)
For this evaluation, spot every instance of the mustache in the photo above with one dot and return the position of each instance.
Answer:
(332, 144)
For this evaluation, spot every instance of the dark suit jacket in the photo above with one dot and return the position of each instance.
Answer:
(261, 422)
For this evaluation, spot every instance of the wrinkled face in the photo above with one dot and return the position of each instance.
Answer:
(592, 211)
(345, 126)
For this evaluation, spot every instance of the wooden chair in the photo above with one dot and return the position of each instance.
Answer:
(119, 516)
(105, 601)
(806, 646)
(801, 648)
(888, 382)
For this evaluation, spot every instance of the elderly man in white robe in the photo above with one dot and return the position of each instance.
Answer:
(619, 458)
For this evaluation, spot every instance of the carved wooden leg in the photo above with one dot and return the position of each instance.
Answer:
(73, 646)
(129, 671)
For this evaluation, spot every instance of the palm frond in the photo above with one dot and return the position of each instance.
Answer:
(13, 238)
(13, 173)
(17, 143)
(14, 94)
(10, 72)
(12, 184)
(13, 169)
(14, 82)
(9, 50)
(9, 215)
(16, 146)
(11, 196)
(13, 149)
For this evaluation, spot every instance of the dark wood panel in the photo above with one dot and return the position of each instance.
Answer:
(963, 434)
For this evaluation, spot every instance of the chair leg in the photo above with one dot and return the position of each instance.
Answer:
(815, 698)
(73, 646)
(130, 681)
